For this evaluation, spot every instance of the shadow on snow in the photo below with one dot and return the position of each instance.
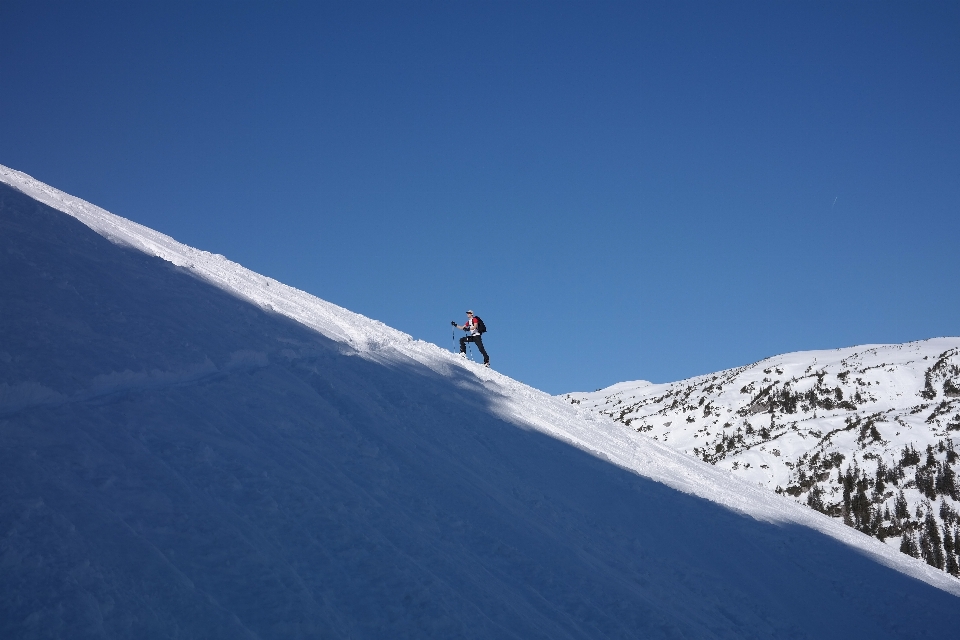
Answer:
(293, 489)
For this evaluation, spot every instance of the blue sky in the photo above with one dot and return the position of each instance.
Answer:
(621, 190)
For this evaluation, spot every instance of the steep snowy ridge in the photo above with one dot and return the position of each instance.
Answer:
(335, 322)
(373, 483)
(865, 434)
(376, 341)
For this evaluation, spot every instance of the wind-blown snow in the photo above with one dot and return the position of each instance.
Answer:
(437, 473)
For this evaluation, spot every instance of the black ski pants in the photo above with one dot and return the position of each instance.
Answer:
(477, 340)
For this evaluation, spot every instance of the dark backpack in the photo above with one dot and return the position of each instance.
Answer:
(482, 328)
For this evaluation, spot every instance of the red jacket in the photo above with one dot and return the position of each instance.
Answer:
(472, 326)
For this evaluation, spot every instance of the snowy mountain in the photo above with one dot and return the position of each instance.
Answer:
(868, 435)
(189, 449)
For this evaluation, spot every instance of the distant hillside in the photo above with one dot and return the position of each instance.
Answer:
(868, 435)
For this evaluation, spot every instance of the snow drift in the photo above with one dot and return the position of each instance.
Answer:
(190, 449)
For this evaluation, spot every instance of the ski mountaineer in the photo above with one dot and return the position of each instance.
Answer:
(474, 327)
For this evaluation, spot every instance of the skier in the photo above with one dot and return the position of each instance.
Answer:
(474, 327)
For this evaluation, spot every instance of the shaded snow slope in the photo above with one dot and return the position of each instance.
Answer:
(866, 434)
(190, 449)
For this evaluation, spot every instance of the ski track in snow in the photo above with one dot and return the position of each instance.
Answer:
(510, 399)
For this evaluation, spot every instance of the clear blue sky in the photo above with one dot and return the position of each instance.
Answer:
(621, 190)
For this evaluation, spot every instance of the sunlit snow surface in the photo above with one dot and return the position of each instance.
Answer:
(191, 449)
(881, 380)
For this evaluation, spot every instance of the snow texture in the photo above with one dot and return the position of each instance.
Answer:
(193, 450)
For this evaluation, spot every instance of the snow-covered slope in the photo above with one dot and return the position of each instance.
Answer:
(866, 434)
(189, 449)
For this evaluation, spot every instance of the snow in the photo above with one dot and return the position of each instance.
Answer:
(190, 448)
(886, 383)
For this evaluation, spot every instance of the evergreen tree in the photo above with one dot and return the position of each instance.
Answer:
(946, 482)
(880, 484)
(951, 454)
(909, 457)
(952, 567)
(949, 546)
(926, 481)
(947, 514)
(908, 544)
(900, 506)
(926, 549)
(845, 513)
(930, 545)
(815, 499)
(860, 509)
(848, 483)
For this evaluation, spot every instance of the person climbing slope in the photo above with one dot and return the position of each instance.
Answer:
(475, 328)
